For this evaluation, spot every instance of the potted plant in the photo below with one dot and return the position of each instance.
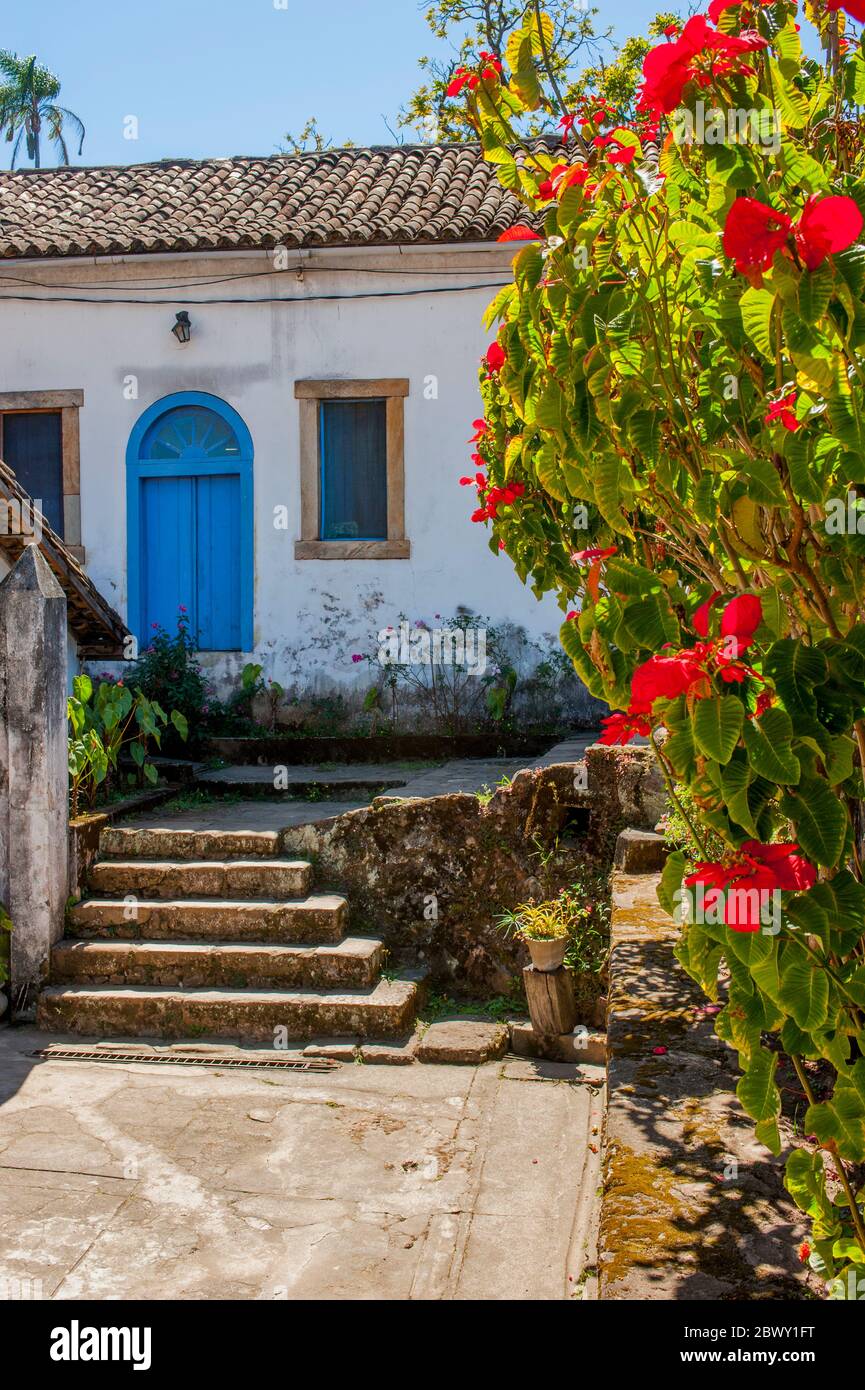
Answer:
(543, 928)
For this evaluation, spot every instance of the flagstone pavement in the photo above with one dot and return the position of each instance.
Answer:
(122, 1181)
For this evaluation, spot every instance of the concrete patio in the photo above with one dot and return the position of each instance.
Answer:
(254, 811)
(400, 1183)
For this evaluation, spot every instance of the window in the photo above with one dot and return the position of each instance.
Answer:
(353, 452)
(352, 470)
(39, 441)
(33, 449)
(189, 501)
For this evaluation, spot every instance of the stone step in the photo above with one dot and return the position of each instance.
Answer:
(354, 963)
(386, 1011)
(320, 918)
(119, 843)
(202, 878)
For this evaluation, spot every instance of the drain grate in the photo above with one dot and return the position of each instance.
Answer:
(185, 1059)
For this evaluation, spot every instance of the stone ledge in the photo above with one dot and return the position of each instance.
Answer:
(640, 852)
(693, 1207)
(462, 1042)
(582, 1045)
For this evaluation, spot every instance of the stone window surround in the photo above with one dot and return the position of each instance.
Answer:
(393, 391)
(68, 403)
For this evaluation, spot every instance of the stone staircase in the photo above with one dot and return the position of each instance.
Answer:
(214, 934)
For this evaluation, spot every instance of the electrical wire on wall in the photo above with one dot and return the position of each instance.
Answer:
(262, 299)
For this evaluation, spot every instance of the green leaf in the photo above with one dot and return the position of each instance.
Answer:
(792, 106)
(756, 1090)
(805, 1180)
(651, 621)
(82, 687)
(819, 818)
(796, 669)
(718, 726)
(815, 291)
(735, 781)
(842, 1118)
(768, 742)
(700, 956)
(671, 881)
(610, 479)
(804, 989)
(151, 774)
(180, 723)
(755, 307)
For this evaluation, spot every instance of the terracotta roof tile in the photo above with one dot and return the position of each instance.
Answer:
(353, 197)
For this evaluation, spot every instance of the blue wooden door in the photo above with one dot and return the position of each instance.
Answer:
(191, 557)
(189, 481)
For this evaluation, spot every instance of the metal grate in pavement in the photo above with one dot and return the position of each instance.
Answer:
(180, 1059)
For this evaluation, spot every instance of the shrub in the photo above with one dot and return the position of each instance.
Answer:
(672, 442)
(169, 672)
(106, 722)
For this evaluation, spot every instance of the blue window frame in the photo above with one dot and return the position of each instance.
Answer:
(189, 470)
(353, 460)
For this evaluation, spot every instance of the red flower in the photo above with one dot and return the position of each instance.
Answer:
(665, 678)
(492, 62)
(571, 615)
(753, 233)
(461, 77)
(765, 700)
(745, 881)
(804, 1248)
(464, 77)
(577, 174)
(783, 410)
(546, 189)
(740, 620)
(481, 427)
(621, 728)
(855, 8)
(717, 7)
(827, 225)
(587, 557)
(495, 358)
(623, 155)
(700, 620)
(519, 233)
(669, 67)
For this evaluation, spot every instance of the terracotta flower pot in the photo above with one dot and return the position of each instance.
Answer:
(548, 955)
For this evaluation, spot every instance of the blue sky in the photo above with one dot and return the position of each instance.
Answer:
(223, 77)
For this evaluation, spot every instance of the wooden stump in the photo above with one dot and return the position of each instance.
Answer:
(552, 1006)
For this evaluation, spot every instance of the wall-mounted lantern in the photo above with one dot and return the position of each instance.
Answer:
(182, 329)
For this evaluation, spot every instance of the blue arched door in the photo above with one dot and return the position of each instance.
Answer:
(189, 469)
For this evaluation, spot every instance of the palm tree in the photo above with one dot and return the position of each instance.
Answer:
(28, 103)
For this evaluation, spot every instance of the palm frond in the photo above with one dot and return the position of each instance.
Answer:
(69, 118)
(16, 147)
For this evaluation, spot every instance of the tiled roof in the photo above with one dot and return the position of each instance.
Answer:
(353, 197)
(99, 630)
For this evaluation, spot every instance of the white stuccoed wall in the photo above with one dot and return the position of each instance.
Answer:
(310, 615)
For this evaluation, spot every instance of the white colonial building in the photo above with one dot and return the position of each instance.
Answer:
(245, 387)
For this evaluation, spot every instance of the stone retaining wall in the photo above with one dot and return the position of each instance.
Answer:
(693, 1207)
(430, 874)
